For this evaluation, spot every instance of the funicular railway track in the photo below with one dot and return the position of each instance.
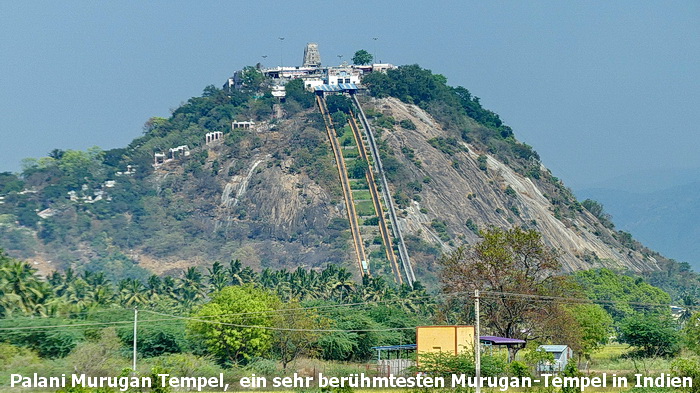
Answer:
(383, 230)
(345, 185)
(374, 150)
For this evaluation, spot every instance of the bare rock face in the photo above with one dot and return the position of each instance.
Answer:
(459, 191)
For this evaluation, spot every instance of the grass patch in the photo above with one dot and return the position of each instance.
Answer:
(365, 208)
(358, 184)
(350, 153)
(361, 194)
(612, 359)
(346, 139)
(610, 351)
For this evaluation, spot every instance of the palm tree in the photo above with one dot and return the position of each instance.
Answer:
(217, 277)
(375, 289)
(689, 304)
(60, 282)
(20, 279)
(102, 291)
(169, 287)
(234, 272)
(132, 292)
(189, 290)
(78, 296)
(284, 291)
(268, 278)
(192, 278)
(248, 275)
(103, 294)
(96, 279)
(154, 287)
(343, 284)
(55, 278)
(9, 302)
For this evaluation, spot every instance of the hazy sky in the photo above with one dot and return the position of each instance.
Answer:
(598, 88)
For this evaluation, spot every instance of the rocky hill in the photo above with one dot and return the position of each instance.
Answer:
(270, 195)
(468, 192)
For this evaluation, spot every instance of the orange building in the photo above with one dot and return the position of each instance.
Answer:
(453, 339)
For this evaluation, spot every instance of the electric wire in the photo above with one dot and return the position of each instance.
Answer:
(284, 329)
(78, 325)
(576, 300)
(486, 294)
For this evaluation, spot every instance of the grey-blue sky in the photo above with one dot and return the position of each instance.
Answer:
(598, 88)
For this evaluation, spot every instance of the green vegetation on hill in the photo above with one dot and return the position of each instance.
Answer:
(131, 213)
(622, 292)
(678, 280)
(116, 214)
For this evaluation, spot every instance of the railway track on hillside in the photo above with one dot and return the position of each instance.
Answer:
(369, 175)
(362, 261)
(403, 252)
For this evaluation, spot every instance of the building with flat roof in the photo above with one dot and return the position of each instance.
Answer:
(454, 339)
(311, 73)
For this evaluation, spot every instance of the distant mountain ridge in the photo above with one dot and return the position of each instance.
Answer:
(666, 219)
(646, 181)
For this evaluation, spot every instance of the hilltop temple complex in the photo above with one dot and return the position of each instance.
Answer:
(311, 72)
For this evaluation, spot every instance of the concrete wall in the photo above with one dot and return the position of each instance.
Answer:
(394, 366)
(452, 339)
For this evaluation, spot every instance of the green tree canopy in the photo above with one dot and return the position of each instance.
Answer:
(338, 102)
(362, 57)
(252, 78)
(235, 312)
(692, 332)
(290, 344)
(445, 364)
(416, 85)
(47, 342)
(651, 335)
(596, 326)
(9, 182)
(295, 91)
(21, 289)
(621, 292)
(357, 169)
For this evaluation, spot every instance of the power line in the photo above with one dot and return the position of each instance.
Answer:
(276, 311)
(284, 329)
(173, 318)
(576, 300)
(70, 315)
(78, 325)
(490, 294)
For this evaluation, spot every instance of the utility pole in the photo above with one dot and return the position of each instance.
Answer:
(136, 315)
(477, 342)
(281, 62)
(375, 49)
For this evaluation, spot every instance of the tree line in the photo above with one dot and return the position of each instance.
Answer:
(524, 296)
